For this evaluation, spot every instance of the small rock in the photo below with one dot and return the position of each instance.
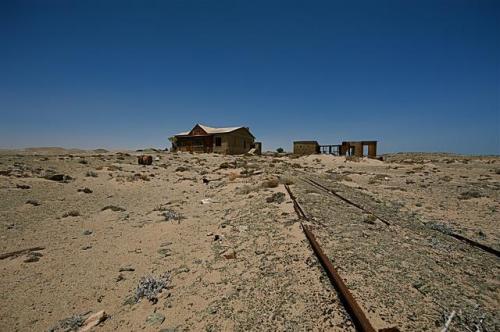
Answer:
(113, 208)
(155, 319)
(119, 278)
(259, 252)
(93, 320)
(216, 237)
(87, 232)
(86, 247)
(33, 202)
(23, 186)
(231, 254)
(85, 190)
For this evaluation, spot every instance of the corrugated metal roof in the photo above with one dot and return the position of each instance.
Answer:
(212, 130)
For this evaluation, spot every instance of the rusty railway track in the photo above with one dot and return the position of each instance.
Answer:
(357, 315)
(456, 236)
(348, 201)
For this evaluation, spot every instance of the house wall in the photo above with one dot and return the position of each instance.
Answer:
(305, 147)
(237, 142)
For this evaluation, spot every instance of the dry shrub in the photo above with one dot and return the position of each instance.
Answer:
(91, 174)
(272, 183)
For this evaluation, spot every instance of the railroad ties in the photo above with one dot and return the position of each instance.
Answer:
(456, 236)
(356, 313)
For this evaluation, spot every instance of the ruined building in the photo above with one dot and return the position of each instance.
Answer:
(232, 140)
(347, 148)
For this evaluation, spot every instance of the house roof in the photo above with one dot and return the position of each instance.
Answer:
(213, 130)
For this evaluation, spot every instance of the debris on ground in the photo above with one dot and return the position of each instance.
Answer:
(78, 322)
(113, 208)
(33, 257)
(144, 160)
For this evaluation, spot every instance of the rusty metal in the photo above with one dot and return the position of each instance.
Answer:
(296, 206)
(357, 315)
(20, 252)
(453, 235)
(474, 243)
(348, 201)
(354, 310)
(144, 160)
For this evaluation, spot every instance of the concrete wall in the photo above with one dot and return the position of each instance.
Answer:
(356, 147)
(305, 147)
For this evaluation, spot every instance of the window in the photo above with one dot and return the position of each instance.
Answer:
(218, 141)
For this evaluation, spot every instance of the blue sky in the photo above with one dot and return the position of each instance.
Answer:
(416, 75)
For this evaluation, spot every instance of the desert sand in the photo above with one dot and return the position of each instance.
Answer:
(223, 249)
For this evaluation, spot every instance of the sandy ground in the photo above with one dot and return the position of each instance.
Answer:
(231, 251)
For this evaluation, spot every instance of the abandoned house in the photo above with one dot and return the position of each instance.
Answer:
(347, 148)
(305, 147)
(232, 140)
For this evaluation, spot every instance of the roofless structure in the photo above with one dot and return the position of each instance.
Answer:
(229, 140)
